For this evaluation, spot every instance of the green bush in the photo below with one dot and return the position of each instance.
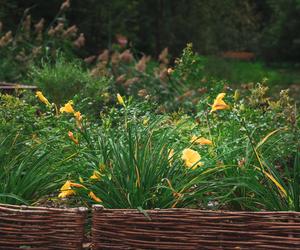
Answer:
(62, 79)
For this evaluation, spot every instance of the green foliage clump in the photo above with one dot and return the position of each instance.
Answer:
(173, 138)
(62, 79)
(32, 151)
(31, 174)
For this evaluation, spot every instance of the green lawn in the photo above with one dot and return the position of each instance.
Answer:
(239, 72)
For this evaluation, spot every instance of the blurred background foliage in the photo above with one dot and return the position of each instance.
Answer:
(269, 28)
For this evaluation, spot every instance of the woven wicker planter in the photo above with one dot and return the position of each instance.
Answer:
(41, 228)
(194, 229)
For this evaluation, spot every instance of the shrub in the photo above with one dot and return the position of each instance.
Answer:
(63, 79)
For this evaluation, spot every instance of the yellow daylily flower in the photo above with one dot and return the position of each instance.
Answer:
(71, 136)
(68, 108)
(120, 99)
(42, 98)
(67, 193)
(96, 175)
(201, 140)
(78, 116)
(66, 189)
(191, 158)
(219, 104)
(94, 197)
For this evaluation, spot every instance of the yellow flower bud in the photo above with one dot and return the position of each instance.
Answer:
(219, 104)
(120, 100)
(68, 108)
(42, 98)
(201, 140)
(94, 197)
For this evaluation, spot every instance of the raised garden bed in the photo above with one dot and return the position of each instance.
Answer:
(194, 229)
(41, 228)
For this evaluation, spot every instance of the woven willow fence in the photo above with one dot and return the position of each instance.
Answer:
(40, 228)
(48, 228)
(194, 229)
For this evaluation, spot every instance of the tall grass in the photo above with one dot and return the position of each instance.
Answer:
(136, 169)
(29, 172)
(264, 181)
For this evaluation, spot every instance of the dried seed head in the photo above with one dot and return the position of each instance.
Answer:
(6, 39)
(120, 79)
(131, 81)
(126, 56)
(39, 26)
(27, 23)
(70, 32)
(51, 32)
(65, 5)
(99, 70)
(89, 59)
(80, 41)
(27, 26)
(104, 56)
(163, 56)
(141, 65)
(59, 28)
(115, 58)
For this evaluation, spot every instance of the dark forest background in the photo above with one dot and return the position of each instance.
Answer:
(269, 28)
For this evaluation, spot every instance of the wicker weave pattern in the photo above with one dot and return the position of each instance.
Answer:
(41, 228)
(194, 229)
